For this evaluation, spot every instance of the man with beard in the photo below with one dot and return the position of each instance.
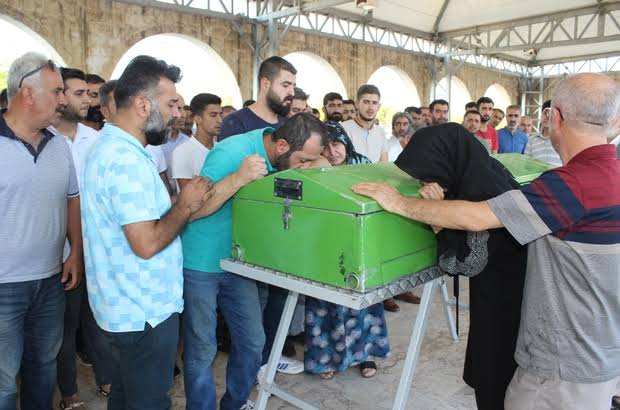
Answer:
(416, 116)
(471, 121)
(496, 118)
(486, 131)
(299, 103)
(401, 122)
(40, 207)
(439, 110)
(511, 138)
(94, 83)
(367, 137)
(348, 110)
(276, 80)
(526, 124)
(80, 139)
(425, 115)
(132, 250)
(333, 107)
(232, 164)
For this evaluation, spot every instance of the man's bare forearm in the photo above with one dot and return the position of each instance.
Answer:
(461, 215)
(224, 190)
(74, 225)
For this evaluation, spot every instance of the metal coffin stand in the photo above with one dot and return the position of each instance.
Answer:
(430, 278)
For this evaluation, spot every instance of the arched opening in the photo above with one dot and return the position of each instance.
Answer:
(204, 71)
(459, 96)
(316, 77)
(500, 98)
(22, 40)
(397, 92)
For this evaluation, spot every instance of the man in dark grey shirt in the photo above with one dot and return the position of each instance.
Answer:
(568, 348)
(39, 207)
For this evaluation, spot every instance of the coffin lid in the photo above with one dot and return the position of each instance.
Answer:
(525, 169)
(330, 188)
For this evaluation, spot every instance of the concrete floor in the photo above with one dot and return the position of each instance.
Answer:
(437, 383)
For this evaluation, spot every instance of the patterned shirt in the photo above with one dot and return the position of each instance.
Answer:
(570, 216)
(540, 148)
(121, 186)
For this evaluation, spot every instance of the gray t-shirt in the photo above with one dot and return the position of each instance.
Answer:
(570, 318)
(34, 187)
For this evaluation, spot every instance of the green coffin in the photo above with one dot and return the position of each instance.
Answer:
(330, 235)
(310, 224)
(525, 169)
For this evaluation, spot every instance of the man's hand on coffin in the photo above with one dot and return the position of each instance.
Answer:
(252, 168)
(386, 195)
(195, 193)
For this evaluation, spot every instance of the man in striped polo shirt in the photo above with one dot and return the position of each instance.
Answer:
(568, 349)
(539, 146)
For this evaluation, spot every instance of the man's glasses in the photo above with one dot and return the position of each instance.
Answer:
(547, 114)
(49, 63)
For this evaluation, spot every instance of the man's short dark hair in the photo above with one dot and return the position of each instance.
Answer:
(546, 104)
(500, 111)
(200, 102)
(350, 102)
(316, 111)
(437, 102)
(475, 112)
(331, 97)
(272, 66)
(104, 92)
(248, 103)
(228, 108)
(484, 100)
(470, 106)
(71, 73)
(297, 129)
(368, 89)
(142, 76)
(4, 98)
(413, 110)
(94, 79)
(300, 94)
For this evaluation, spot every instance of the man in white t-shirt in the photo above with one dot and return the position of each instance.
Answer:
(189, 157)
(367, 137)
(176, 138)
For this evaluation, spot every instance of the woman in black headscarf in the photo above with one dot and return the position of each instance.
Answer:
(339, 149)
(449, 155)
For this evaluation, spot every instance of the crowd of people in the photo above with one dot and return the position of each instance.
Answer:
(116, 199)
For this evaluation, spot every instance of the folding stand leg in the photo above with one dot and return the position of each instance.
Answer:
(447, 309)
(264, 389)
(415, 344)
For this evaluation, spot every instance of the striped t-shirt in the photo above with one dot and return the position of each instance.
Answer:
(570, 217)
(540, 148)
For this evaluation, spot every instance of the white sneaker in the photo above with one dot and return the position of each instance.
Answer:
(290, 366)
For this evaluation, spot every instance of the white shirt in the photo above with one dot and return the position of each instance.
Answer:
(158, 157)
(169, 147)
(394, 148)
(188, 159)
(370, 142)
(85, 137)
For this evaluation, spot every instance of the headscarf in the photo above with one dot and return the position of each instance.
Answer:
(335, 133)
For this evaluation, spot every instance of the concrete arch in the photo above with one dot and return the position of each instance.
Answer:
(204, 70)
(316, 76)
(398, 91)
(23, 39)
(459, 96)
(499, 95)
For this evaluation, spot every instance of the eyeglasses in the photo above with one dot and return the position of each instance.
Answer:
(547, 113)
(49, 63)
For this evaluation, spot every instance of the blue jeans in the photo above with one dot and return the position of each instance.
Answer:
(143, 364)
(31, 326)
(237, 299)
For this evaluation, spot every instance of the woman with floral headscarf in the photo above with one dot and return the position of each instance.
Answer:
(337, 337)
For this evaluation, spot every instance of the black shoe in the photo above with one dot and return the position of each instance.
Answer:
(177, 371)
(289, 349)
(84, 359)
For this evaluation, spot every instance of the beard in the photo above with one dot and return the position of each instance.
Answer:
(277, 106)
(283, 162)
(335, 116)
(70, 114)
(155, 131)
(485, 118)
(366, 118)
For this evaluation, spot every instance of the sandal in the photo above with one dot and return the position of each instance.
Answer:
(368, 369)
(327, 375)
(102, 393)
(74, 405)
